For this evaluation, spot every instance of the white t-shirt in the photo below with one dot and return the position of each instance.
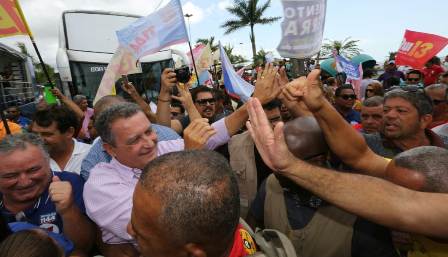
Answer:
(80, 150)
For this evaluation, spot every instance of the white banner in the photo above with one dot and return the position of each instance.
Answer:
(302, 28)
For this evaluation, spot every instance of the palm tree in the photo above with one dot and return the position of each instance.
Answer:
(234, 59)
(346, 47)
(206, 41)
(39, 72)
(260, 57)
(248, 13)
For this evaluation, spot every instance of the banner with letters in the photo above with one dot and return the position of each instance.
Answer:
(156, 31)
(302, 28)
(350, 69)
(417, 48)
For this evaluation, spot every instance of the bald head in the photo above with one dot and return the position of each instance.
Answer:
(199, 195)
(422, 168)
(304, 138)
(105, 102)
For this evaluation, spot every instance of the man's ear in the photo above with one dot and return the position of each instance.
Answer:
(425, 120)
(110, 149)
(70, 133)
(194, 250)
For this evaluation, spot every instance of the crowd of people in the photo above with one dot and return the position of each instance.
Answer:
(309, 166)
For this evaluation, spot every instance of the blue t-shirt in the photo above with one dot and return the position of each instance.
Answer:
(43, 214)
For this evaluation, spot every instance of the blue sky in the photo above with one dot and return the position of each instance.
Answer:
(378, 24)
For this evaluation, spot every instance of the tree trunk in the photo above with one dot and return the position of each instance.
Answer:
(252, 40)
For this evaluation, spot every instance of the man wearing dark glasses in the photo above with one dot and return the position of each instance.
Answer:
(438, 95)
(414, 77)
(205, 102)
(344, 100)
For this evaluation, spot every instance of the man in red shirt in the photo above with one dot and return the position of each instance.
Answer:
(432, 71)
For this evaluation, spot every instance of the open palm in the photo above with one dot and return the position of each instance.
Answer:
(270, 144)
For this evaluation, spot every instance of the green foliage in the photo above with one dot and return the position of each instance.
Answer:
(206, 41)
(347, 47)
(39, 72)
(248, 13)
(234, 59)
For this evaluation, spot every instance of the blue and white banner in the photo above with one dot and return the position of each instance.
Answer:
(156, 31)
(351, 69)
(302, 28)
(234, 84)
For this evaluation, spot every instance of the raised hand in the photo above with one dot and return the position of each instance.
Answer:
(266, 89)
(270, 144)
(61, 194)
(56, 92)
(129, 88)
(184, 96)
(168, 80)
(307, 89)
(197, 134)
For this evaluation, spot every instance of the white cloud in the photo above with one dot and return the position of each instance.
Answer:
(223, 4)
(196, 11)
(44, 16)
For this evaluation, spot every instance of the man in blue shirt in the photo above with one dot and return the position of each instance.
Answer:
(31, 192)
(344, 100)
(13, 113)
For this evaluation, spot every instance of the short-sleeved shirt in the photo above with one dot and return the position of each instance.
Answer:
(384, 147)
(85, 123)
(80, 151)
(353, 117)
(43, 214)
(387, 75)
(368, 240)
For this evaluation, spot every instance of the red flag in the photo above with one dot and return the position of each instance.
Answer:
(417, 48)
(11, 19)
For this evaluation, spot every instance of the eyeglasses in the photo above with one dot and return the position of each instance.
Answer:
(437, 102)
(347, 97)
(204, 102)
(413, 79)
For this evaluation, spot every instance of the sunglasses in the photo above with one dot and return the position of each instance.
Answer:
(369, 90)
(204, 102)
(347, 97)
(413, 79)
(437, 102)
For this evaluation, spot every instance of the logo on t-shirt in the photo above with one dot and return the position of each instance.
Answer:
(47, 220)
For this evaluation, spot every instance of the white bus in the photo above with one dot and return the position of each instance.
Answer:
(87, 41)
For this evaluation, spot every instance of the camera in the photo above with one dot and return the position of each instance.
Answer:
(183, 74)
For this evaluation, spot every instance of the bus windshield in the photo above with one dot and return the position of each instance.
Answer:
(86, 78)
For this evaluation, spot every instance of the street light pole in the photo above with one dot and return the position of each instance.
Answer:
(188, 15)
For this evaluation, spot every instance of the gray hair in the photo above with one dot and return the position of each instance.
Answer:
(418, 99)
(199, 195)
(79, 98)
(430, 161)
(373, 101)
(105, 119)
(20, 141)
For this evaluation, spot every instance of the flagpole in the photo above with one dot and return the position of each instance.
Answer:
(189, 44)
(5, 122)
(19, 9)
